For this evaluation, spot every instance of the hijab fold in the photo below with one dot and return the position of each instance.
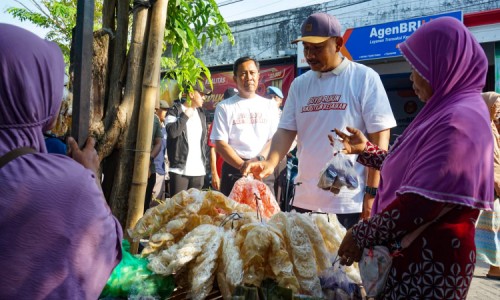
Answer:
(31, 88)
(446, 154)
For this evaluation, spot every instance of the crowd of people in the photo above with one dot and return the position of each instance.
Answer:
(58, 218)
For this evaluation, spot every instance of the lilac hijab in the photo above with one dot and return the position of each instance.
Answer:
(31, 87)
(58, 238)
(446, 153)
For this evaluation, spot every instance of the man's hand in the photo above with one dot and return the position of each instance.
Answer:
(87, 157)
(354, 143)
(259, 169)
(349, 251)
(215, 181)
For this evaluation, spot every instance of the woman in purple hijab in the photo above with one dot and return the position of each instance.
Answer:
(443, 159)
(58, 238)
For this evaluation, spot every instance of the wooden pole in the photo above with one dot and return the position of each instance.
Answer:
(145, 126)
(83, 70)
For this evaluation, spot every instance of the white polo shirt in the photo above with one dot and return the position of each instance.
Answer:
(350, 95)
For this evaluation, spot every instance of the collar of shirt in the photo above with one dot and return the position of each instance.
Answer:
(338, 70)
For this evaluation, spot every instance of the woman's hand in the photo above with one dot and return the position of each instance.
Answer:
(87, 157)
(349, 251)
(354, 143)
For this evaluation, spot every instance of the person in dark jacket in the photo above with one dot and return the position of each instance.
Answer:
(187, 141)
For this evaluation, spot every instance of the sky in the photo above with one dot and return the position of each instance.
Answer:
(231, 10)
(243, 9)
(7, 18)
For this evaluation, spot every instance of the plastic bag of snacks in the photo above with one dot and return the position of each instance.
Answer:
(255, 194)
(131, 278)
(338, 172)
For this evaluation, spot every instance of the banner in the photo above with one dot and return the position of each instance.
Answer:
(381, 40)
(280, 76)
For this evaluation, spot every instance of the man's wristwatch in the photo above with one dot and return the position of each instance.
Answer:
(371, 190)
(260, 157)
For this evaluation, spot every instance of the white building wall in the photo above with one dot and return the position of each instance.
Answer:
(269, 36)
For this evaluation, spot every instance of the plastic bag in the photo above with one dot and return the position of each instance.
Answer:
(131, 279)
(338, 172)
(246, 189)
(337, 285)
(374, 268)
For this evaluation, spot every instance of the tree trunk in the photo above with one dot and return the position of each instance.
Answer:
(145, 126)
(131, 105)
(118, 55)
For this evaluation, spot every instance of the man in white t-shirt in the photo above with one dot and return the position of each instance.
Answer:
(243, 125)
(335, 93)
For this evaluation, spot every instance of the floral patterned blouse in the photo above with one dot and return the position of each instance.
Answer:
(439, 264)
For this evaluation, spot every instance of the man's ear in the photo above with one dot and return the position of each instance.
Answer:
(340, 43)
(234, 79)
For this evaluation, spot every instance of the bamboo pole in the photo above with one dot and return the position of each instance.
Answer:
(145, 126)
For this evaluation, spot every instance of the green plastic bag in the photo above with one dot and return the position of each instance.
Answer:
(132, 279)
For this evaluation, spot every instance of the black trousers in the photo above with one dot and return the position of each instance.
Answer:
(347, 220)
(181, 183)
(149, 191)
(231, 174)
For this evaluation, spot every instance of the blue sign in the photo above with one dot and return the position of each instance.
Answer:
(381, 40)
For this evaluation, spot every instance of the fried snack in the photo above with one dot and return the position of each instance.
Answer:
(158, 241)
(188, 248)
(231, 263)
(279, 220)
(243, 232)
(224, 204)
(150, 222)
(245, 191)
(202, 273)
(304, 263)
(320, 252)
(333, 233)
(280, 263)
(235, 221)
(156, 216)
(253, 253)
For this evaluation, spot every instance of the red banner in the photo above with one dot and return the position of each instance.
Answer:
(279, 76)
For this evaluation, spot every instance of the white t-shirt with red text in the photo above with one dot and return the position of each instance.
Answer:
(350, 95)
(246, 124)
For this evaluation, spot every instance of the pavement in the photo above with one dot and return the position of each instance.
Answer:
(483, 288)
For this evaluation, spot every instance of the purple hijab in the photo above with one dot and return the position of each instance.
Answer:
(58, 238)
(446, 153)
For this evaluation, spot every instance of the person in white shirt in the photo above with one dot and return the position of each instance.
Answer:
(243, 125)
(335, 93)
(187, 141)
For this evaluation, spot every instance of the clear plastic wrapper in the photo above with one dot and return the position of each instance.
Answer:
(255, 194)
(337, 285)
(338, 172)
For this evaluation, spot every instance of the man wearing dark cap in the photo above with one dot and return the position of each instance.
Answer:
(187, 140)
(243, 125)
(335, 93)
